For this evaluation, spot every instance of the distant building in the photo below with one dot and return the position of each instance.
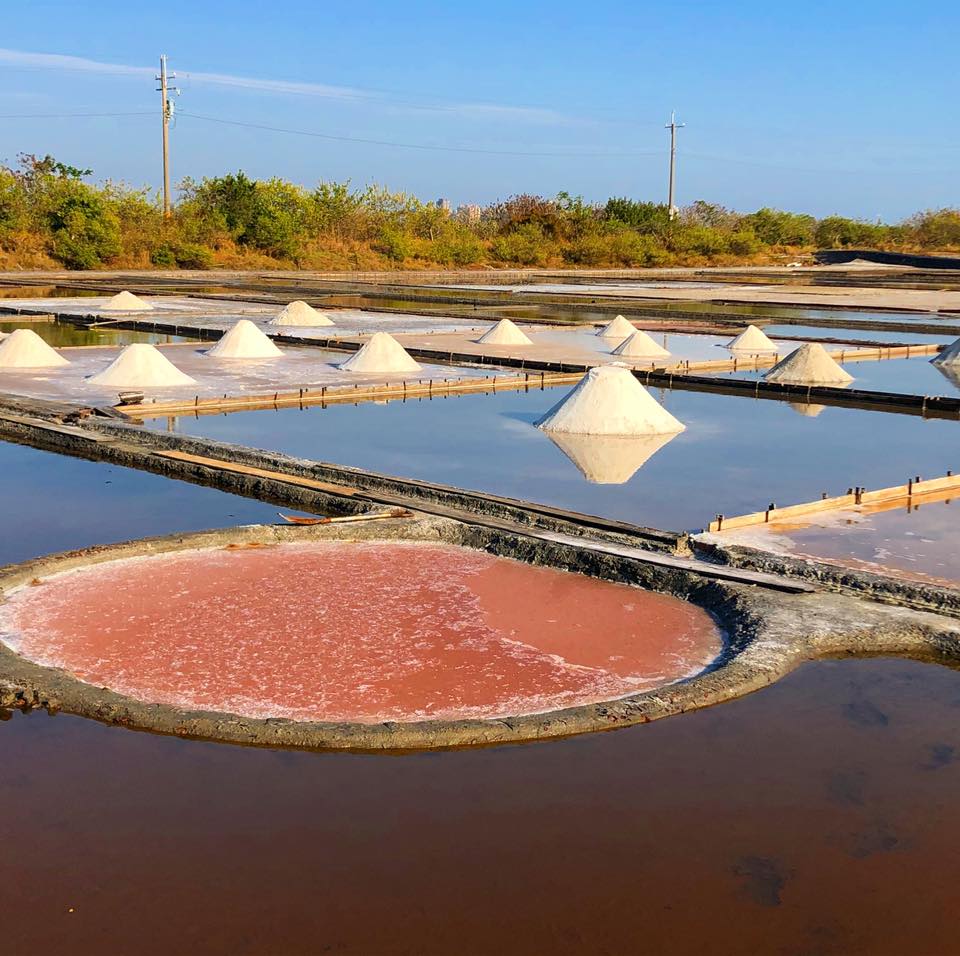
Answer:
(469, 212)
(443, 204)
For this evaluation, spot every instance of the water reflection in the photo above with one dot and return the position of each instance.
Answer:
(609, 459)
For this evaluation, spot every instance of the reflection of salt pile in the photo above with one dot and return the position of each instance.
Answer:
(299, 313)
(808, 411)
(504, 333)
(23, 348)
(810, 364)
(951, 373)
(382, 353)
(619, 328)
(126, 302)
(610, 401)
(752, 339)
(141, 366)
(949, 356)
(609, 459)
(640, 345)
(244, 341)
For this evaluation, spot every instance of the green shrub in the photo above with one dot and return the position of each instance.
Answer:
(394, 245)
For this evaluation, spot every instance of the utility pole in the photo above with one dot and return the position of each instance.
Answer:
(673, 126)
(166, 111)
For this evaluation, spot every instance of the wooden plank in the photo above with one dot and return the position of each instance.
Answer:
(339, 394)
(221, 465)
(56, 428)
(705, 569)
(860, 497)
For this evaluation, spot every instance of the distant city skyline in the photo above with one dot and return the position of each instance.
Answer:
(820, 109)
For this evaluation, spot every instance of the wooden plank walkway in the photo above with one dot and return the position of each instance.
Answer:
(913, 489)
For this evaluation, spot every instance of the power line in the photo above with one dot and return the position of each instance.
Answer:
(70, 115)
(425, 146)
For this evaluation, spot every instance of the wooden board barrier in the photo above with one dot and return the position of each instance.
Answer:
(914, 488)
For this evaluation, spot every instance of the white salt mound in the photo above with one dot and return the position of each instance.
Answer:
(23, 348)
(504, 333)
(126, 302)
(244, 341)
(640, 345)
(610, 401)
(810, 364)
(619, 328)
(609, 459)
(140, 366)
(949, 356)
(301, 314)
(752, 339)
(382, 353)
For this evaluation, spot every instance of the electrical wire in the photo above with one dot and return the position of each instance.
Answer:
(424, 146)
(72, 115)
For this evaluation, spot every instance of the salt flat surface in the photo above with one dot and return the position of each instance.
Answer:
(222, 314)
(297, 367)
(581, 345)
(362, 632)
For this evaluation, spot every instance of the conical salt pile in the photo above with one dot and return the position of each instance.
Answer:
(23, 348)
(810, 364)
(382, 353)
(949, 356)
(140, 366)
(619, 328)
(126, 302)
(609, 459)
(610, 401)
(244, 341)
(640, 345)
(299, 313)
(752, 339)
(504, 333)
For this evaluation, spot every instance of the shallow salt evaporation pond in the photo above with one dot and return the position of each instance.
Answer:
(736, 455)
(370, 632)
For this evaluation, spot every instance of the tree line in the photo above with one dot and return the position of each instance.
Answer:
(52, 215)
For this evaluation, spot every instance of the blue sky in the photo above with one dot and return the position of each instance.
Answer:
(813, 106)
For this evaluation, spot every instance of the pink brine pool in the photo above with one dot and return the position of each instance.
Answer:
(363, 632)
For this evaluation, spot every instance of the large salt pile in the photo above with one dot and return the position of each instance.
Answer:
(140, 366)
(23, 348)
(610, 401)
(619, 328)
(609, 459)
(504, 333)
(126, 302)
(640, 345)
(810, 364)
(949, 356)
(382, 353)
(244, 341)
(752, 339)
(301, 314)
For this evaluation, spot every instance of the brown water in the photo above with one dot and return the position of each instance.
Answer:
(363, 632)
(817, 816)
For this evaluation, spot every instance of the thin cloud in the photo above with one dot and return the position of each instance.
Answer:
(77, 64)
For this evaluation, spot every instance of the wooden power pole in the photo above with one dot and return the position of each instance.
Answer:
(673, 126)
(166, 111)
